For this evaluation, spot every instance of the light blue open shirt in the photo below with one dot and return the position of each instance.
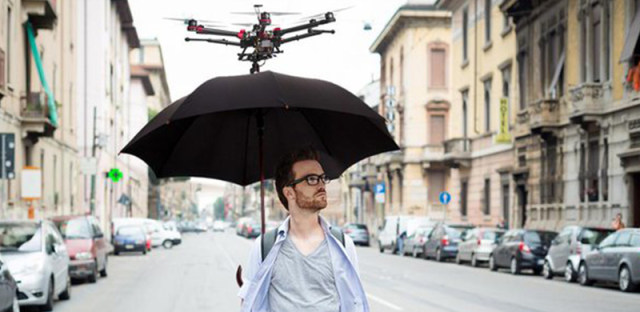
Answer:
(255, 290)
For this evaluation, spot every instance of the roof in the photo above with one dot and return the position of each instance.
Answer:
(126, 20)
(420, 11)
(138, 71)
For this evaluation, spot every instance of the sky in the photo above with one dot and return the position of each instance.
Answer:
(342, 58)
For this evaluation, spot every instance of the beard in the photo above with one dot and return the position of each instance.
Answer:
(312, 203)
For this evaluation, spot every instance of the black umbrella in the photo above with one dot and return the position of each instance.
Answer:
(230, 128)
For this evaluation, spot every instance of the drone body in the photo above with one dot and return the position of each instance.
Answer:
(264, 42)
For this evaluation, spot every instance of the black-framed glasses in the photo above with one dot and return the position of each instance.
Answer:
(312, 179)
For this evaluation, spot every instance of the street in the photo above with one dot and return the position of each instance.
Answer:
(199, 276)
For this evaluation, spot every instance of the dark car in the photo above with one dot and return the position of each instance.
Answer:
(443, 241)
(8, 289)
(521, 249)
(359, 233)
(88, 249)
(130, 238)
(252, 230)
(569, 248)
(616, 259)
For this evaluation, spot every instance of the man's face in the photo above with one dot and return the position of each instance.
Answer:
(313, 197)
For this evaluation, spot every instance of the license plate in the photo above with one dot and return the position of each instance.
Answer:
(541, 262)
(129, 246)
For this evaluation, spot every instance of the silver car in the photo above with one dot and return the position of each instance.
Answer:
(37, 258)
(414, 243)
(477, 245)
(568, 250)
(615, 259)
(358, 232)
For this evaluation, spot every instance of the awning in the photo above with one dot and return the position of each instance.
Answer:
(53, 115)
(632, 39)
(556, 74)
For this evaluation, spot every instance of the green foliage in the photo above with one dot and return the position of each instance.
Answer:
(218, 209)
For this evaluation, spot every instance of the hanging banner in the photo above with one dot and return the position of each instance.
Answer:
(503, 133)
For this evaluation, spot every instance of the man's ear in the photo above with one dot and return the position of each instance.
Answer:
(289, 193)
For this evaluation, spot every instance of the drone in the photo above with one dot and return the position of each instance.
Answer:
(260, 43)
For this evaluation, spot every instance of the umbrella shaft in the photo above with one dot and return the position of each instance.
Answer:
(260, 124)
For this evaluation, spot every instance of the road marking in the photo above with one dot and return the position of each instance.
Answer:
(384, 302)
(226, 255)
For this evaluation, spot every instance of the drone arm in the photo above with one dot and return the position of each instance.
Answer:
(212, 31)
(313, 23)
(310, 34)
(220, 41)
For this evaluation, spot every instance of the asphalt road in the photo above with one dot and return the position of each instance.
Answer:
(199, 275)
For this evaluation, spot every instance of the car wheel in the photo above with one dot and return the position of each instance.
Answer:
(583, 276)
(569, 273)
(474, 260)
(380, 247)
(515, 266)
(414, 252)
(94, 274)
(144, 252)
(15, 307)
(103, 272)
(438, 255)
(546, 270)
(492, 264)
(624, 280)
(116, 253)
(48, 306)
(167, 244)
(458, 260)
(66, 294)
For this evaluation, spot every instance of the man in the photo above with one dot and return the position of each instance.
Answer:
(617, 223)
(308, 268)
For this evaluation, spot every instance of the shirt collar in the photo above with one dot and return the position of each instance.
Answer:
(283, 229)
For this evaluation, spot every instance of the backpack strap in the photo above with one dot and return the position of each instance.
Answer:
(267, 241)
(338, 234)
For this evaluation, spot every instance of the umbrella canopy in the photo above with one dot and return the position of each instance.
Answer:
(215, 132)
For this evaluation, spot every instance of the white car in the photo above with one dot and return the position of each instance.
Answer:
(37, 258)
(219, 226)
(159, 234)
(394, 226)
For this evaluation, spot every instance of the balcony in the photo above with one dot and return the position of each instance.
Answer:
(457, 152)
(433, 154)
(42, 13)
(393, 160)
(587, 102)
(34, 113)
(544, 115)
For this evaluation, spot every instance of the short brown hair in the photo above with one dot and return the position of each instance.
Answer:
(284, 171)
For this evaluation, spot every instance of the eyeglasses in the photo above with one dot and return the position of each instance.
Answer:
(312, 179)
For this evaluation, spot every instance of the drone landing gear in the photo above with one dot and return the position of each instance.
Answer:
(255, 68)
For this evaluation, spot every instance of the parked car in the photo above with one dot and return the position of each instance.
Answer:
(359, 233)
(116, 223)
(394, 225)
(521, 249)
(240, 225)
(414, 243)
(88, 249)
(8, 290)
(252, 230)
(442, 243)
(158, 234)
(130, 238)
(615, 259)
(569, 248)
(219, 226)
(36, 256)
(477, 245)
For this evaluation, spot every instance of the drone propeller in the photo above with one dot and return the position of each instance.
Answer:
(317, 16)
(272, 13)
(186, 20)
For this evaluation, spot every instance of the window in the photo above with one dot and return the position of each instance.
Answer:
(391, 82)
(487, 105)
(505, 21)
(487, 197)
(609, 241)
(523, 73)
(465, 34)
(465, 113)
(552, 54)
(401, 65)
(464, 186)
(438, 68)
(623, 238)
(594, 164)
(487, 21)
(596, 43)
(582, 173)
(605, 171)
(436, 185)
(635, 241)
(437, 129)
(9, 39)
(505, 201)
(506, 85)
(549, 181)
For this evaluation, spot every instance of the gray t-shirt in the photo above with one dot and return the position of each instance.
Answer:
(303, 283)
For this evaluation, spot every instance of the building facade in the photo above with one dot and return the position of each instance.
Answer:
(414, 84)
(479, 147)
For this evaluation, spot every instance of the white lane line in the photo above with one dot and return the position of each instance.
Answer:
(384, 302)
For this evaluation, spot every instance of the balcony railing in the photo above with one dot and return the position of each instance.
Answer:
(587, 99)
(433, 153)
(544, 114)
(34, 113)
(457, 152)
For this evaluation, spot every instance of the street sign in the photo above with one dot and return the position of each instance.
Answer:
(115, 174)
(445, 198)
(7, 156)
(31, 186)
(88, 166)
(380, 190)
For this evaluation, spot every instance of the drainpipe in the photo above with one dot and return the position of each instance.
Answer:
(475, 67)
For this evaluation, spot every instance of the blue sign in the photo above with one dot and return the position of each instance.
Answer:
(380, 188)
(445, 198)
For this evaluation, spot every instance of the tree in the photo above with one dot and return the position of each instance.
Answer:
(218, 209)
